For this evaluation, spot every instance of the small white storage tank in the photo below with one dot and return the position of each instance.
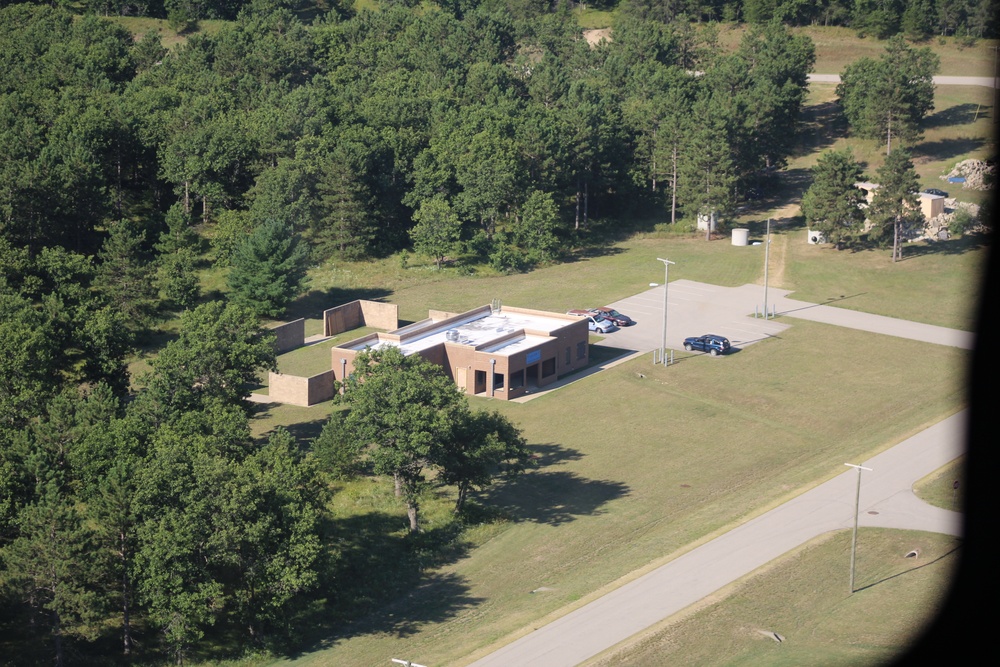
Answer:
(741, 236)
(814, 236)
(707, 221)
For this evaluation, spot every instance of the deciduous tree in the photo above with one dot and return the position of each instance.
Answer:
(401, 409)
(218, 354)
(482, 446)
(437, 230)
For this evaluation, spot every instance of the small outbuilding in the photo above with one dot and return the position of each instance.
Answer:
(930, 205)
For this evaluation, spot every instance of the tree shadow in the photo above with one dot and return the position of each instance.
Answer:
(955, 246)
(378, 581)
(590, 252)
(960, 114)
(554, 497)
(307, 431)
(551, 454)
(945, 149)
(789, 186)
(313, 303)
(820, 127)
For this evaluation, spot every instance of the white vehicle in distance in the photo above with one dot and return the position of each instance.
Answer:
(594, 322)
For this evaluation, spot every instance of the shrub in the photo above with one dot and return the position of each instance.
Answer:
(961, 222)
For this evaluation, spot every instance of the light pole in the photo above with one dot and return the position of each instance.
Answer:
(767, 259)
(666, 283)
(857, 502)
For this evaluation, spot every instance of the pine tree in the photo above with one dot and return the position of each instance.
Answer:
(895, 202)
(268, 269)
(833, 205)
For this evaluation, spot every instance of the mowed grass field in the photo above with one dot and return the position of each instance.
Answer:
(938, 488)
(804, 598)
(640, 462)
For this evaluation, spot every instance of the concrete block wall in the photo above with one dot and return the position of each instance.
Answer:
(289, 336)
(360, 313)
(296, 390)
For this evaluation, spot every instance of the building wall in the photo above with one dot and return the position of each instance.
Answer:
(931, 206)
(360, 313)
(289, 336)
(540, 365)
(566, 350)
(296, 390)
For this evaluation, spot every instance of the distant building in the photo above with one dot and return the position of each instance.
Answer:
(501, 353)
(930, 205)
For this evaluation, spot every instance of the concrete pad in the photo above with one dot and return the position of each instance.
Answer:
(693, 309)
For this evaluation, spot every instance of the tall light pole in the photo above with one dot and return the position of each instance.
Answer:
(767, 259)
(857, 502)
(666, 283)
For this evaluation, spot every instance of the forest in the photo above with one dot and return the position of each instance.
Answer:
(139, 519)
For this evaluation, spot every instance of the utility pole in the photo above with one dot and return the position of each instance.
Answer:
(666, 283)
(767, 259)
(857, 503)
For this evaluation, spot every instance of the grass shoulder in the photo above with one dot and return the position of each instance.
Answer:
(803, 597)
(945, 487)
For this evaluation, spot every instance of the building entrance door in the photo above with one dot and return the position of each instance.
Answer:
(480, 382)
(531, 375)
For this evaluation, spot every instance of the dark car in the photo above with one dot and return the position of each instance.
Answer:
(608, 313)
(711, 343)
(935, 191)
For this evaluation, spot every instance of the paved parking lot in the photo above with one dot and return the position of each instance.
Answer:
(693, 309)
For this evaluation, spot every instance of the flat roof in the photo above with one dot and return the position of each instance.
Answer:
(478, 328)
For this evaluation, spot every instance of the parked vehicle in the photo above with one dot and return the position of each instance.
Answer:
(711, 343)
(594, 322)
(609, 313)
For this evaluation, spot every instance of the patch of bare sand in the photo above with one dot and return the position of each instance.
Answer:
(594, 37)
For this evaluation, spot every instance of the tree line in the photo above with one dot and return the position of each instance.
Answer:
(351, 132)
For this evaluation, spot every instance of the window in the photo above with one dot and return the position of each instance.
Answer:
(497, 381)
(549, 367)
(569, 359)
(581, 350)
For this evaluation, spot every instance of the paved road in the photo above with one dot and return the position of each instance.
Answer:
(886, 498)
(886, 501)
(987, 81)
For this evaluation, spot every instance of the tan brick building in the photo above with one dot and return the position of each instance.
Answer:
(502, 353)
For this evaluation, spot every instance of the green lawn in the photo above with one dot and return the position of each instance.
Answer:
(937, 282)
(938, 488)
(837, 47)
(699, 447)
(804, 598)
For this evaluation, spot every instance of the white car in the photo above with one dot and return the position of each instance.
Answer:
(594, 322)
